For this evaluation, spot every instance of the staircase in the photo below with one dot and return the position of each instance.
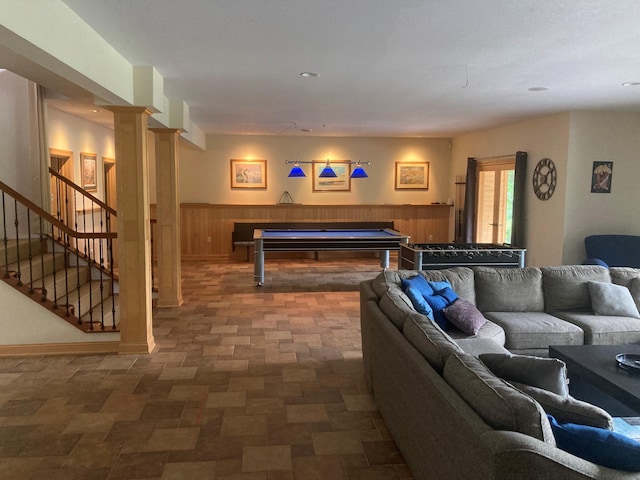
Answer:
(66, 270)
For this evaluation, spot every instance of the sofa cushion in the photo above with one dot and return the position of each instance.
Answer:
(566, 408)
(438, 302)
(565, 286)
(603, 330)
(597, 445)
(434, 344)
(612, 299)
(460, 279)
(547, 373)
(489, 331)
(509, 289)
(389, 278)
(396, 306)
(529, 330)
(465, 316)
(499, 404)
(477, 346)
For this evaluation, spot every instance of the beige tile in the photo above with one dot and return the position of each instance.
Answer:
(231, 365)
(299, 375)
(307, 413)
(189, 471)
(246, 384)
(166, 439)
(336, 443)
(181, 373)
(359, 403)
(269, 458)
(244, 425)
(226, 399)
(222, 350)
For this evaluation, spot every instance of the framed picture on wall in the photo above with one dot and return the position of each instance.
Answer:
(412, 175)
(248, 173)
(89, 173)
(340, 183)
(601, 175)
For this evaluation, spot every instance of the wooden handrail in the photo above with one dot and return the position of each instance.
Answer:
(50, 218)
(96, 200)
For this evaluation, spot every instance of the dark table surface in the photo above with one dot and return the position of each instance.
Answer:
(597, 365)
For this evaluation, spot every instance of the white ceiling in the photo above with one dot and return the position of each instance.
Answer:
(387, 67)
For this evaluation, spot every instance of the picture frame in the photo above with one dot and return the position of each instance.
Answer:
(248, 174)
(601, 175)
(340, 183)
(88, 164)
(412, 176)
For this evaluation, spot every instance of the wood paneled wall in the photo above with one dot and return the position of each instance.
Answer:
(206, 229)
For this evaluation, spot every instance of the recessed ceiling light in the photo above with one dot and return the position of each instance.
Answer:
(309, 74)
(306, 130)
(630, 84)
(95, 110)
(537, 89)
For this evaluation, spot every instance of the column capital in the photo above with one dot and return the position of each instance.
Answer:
(166, 130)
(128, 109)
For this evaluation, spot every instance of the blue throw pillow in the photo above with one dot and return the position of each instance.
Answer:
(438, 302)
(436, 286)
(598, 445)
(418, 301)
(418, 282)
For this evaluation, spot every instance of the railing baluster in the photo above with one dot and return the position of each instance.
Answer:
(5, 239)
(17, 224)
(42, 252)
(30, 251)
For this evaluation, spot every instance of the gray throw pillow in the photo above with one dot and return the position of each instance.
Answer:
(611, 299)
(546, 373)
(465, 316)
(568, 409)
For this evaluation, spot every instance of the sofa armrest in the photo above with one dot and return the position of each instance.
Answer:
(519, 456)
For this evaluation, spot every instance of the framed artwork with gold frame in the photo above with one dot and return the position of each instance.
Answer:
(248, 173)
(412, 176)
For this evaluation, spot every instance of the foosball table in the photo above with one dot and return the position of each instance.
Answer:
(434, 256)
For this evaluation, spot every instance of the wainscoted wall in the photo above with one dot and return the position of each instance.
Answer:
(206, 228)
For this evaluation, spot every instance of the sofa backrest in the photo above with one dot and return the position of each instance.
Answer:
(566, 286)
(509, 289)
(429, 339)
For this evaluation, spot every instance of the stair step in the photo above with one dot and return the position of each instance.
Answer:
(110, 304)
(71, 277)
(22, 246)
(88, 298)
(44, 262)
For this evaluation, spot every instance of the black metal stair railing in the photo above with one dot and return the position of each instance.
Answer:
(62, 257)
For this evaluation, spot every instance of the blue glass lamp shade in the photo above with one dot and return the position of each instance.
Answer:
(296, 171)
(359, 172)
(327, 171)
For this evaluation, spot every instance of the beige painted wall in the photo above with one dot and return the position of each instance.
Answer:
(205, 176)
(540, 138)
(556, 228)
(601, 136)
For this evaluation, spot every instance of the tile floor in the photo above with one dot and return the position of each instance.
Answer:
(246, 383)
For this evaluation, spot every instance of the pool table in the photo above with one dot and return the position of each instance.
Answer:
(314, 240)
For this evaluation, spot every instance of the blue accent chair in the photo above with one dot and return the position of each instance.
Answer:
(613, 250)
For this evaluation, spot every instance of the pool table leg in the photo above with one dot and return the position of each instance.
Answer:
(258, 263)
(384, 259)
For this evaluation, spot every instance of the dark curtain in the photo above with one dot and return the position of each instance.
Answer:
(519, 192)
(469, 201)
(518, 233)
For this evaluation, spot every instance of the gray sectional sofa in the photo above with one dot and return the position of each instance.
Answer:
(450, 415)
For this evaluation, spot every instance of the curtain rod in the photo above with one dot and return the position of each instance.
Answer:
(494, 157)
